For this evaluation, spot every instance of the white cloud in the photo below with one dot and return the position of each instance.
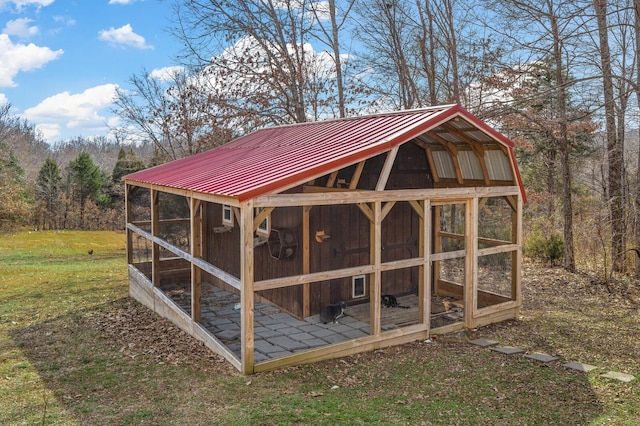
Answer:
(166, 73)
(19, 4)
(123, 36)
(79, 111)
(64, 20)
(3, 99)
(20, 27)
(50, 131)
(15, 58)
(121, 1)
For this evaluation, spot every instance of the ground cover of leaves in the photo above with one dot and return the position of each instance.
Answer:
(122, 364)
(574, 316)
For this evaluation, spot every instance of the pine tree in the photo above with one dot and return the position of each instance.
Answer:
(48, 189)
(85, 182)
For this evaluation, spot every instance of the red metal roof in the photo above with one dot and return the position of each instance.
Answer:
(273, 159)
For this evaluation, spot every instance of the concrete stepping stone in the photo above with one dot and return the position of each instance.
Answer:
(483, 343)
(579, 366)
(507, 350)
(540, 357)
(618, 376)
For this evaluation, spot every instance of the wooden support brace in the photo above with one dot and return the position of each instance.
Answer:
(386, 168)
(264, 213)
(364, 208)
(386, 209)
(332, 179)
(355, 179)
(417, 207)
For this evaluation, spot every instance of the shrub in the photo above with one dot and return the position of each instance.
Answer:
(545, 247)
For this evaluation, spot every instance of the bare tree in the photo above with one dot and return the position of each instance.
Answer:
(331, 37)
(385, 27)
(636, 27)
(269, 48)
(550, 29)
(615, 156)
(173, 111)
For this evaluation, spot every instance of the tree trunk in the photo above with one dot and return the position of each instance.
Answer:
(569, 253)
(636, 7)
(615, 154)
(335, 44)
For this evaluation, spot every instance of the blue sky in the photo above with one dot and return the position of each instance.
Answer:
(61, 60)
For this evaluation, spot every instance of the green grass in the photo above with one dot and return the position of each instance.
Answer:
(74, 349)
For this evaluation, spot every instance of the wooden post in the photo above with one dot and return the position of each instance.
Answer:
(516, 267)
(127, 218)
(470, 261)
(246, 289)
(196, 251)
(155, 248)
(424, 290)
(376, 260)
(306, 309)
(437, 245)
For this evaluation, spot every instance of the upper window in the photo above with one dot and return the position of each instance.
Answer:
(227, 215)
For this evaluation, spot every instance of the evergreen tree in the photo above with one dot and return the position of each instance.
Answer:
(48, 189)
(85, 182)
(127, 163)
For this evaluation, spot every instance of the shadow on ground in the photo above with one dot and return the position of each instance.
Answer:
(122, 364)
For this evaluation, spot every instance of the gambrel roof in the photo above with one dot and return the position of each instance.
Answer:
(462, 149)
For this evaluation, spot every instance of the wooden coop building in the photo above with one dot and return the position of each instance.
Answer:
(244, 245)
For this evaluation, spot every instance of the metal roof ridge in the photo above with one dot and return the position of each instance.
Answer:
(360, 117)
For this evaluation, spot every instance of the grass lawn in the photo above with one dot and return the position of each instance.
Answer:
(74, 349)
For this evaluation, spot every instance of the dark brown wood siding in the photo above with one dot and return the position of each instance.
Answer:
(348, 245)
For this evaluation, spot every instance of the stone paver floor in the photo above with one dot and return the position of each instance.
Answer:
(277, 333)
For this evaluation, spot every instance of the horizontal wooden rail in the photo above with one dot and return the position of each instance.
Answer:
(312, 277)
(202, 264)
(362, 196)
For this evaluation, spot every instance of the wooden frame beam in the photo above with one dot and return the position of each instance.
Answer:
(437, 195)
(128, 193)
(247, 221)
(375, 278)
(200, 263)
(155, 247)
(196, 252)
(306, 250)
(203, 196)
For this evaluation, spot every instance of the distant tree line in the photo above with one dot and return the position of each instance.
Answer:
(74, 185)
